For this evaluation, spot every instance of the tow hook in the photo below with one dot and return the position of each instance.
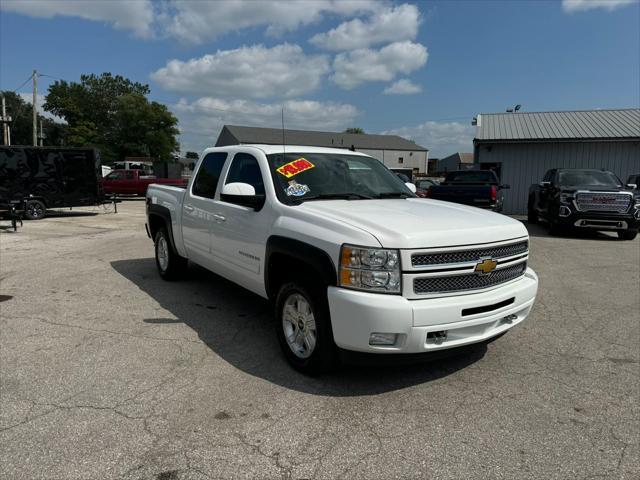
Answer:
(509, 318)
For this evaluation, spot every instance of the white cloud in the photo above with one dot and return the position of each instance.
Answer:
(571, 6)
(199, 21)
(388, 25)
(202, 119)
(403, 86)
(28, 97)
(195, 21)
(366, 65)
(136, 16)
(441, 138)
(254, 72)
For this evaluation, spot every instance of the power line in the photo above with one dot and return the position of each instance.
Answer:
(24, 83)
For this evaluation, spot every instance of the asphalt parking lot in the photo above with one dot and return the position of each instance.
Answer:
(109, 372)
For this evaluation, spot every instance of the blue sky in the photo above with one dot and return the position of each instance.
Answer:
(418, 69)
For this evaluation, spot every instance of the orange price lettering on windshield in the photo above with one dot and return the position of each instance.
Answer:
(293, 168)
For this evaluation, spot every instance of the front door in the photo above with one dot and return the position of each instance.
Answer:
(240, 233)
(198, 209)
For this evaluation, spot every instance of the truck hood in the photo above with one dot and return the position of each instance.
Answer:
(420, 223)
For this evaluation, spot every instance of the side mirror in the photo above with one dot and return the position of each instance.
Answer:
(242, 194)
(411, 187)
(632, 186)
(505, 187)
(545, 184)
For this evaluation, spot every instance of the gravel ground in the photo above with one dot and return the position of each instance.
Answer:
(106, 371)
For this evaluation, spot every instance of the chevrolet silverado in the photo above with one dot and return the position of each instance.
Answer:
(350, 258)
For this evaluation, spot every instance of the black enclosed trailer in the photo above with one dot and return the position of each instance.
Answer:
(50, 177)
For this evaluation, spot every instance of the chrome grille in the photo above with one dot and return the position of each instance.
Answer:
(467, 282)
(461, 256)
(603, 202)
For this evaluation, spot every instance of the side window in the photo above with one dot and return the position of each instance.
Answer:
(129, 175)
(115, 176)
(208, 175)
(550, 176)
(245, 169)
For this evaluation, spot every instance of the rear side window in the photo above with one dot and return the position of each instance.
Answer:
(208, 175)
(245, 169)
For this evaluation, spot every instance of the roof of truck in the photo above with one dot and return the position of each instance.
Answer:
(269, 149)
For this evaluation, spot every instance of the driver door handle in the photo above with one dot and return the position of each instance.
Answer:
(188, 208)
(220, 218)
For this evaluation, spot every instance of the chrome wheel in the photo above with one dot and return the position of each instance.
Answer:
(35, 210)
(299, 325)
(162, 252)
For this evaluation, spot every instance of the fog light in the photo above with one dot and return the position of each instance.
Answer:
(564, 211)
(383, 339)
(437, 337)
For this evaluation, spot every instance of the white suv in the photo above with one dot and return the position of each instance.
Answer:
(349, 256)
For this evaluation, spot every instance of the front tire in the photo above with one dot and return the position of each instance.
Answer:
(532, 216)
(34, 210)
(170, 265)
(627, 234)
(303, 327)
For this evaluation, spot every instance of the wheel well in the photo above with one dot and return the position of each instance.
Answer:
(156, 222)
(283, 268)
(40, 199)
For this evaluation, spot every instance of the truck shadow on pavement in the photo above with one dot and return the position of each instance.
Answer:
(541, 230)
(239, 327)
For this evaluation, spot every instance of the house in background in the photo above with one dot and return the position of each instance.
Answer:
(392, 150)
(457, 161)
(520, 147)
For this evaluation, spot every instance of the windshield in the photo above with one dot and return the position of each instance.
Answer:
(596, 178)
(471, 177)
(311, 176)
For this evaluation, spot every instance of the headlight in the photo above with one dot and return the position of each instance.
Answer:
(566, 197)
(372, 269)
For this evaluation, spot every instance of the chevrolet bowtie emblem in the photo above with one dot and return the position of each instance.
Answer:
(486, 266)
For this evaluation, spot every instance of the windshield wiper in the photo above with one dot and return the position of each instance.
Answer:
(335, 196)
(395, 195)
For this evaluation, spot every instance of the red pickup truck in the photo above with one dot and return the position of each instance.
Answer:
(135, 182)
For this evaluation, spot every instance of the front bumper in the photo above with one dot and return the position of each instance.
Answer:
(600, 221)
(356, 315)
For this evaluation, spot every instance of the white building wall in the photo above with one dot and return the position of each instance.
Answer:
(391, 158)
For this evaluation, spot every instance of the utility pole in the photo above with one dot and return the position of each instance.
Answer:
(41, 137)
(5, 123)
(35, 108)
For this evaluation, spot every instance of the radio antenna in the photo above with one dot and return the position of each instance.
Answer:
(283, 142)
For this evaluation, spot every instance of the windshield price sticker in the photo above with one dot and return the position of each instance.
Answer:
(293, 168)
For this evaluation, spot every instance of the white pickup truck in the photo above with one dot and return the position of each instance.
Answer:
(349, 256)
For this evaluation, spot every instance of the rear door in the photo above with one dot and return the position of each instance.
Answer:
(78, 177)
(198, 209)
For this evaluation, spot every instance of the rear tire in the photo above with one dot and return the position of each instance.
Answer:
(303, 327)
(171, 266)
(553, 228)
(34, 210)
(627, 234)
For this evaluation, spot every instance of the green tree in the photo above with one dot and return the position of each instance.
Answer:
(354, 130)
(113, 114)
(192, 155)
(21, 114)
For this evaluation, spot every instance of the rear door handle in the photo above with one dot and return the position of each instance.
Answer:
(220, 218)
(188, 208)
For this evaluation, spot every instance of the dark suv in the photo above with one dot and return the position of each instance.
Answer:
(594, 199)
